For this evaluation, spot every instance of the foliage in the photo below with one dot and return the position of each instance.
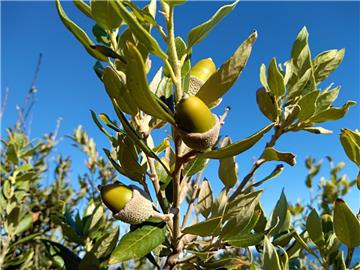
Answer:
(226, 230)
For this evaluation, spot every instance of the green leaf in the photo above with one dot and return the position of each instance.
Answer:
(139, 88)
(340, 262)
(307, 105)
(205, 228)
(83, 7)
(346, 225)
(350, 141)
(263, 77)
(237, 147)
(101, 35)
(26, 239)
(270, 256)
(205, 199)
(79, 33)
(104, 14)
(325, 99)
(135, 137)
(275, 79)
(275, 173)
(97, 122)
(24, 224)
(314, 228)
(116, 89)
(7, 189)
(241, 241)
(62, 254)
(222, 80)
(194, 166)
(136, 244)
(106, 120)
(279, 219)
(198, 33)
(228, 168)
(272, 154)
(89, 262)
(290, 114)
(299, 85)
(185, 70)
(266, 104)
(138, 30)
(326, 62)
(317, 130)
(333, 113)
(302, 78)
(108, 52)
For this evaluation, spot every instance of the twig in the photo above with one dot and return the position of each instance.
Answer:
(155, 180)
(193, 198)
(349, 255)
(224, 115)
(258, 163)
(186, 260)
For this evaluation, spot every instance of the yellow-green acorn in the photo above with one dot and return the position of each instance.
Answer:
(199, 74)
(129, 204)
(198, 127)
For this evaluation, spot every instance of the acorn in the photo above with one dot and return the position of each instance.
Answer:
(198, 127)
(199, 74)
(129, 203)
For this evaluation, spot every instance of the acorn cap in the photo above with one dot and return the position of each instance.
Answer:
(137, 210)
(199, 74)
(201, 141)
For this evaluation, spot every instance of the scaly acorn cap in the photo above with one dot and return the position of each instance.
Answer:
(137, 210)
(201, 141)
(199, 74)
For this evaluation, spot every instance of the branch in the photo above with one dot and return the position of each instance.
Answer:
(155, 180)
(193, 197)
(258, 163)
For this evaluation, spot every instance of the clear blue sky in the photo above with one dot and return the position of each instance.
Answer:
(68, 87)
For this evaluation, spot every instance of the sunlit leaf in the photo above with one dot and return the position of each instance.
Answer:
(350, 141)
(79, 33)
(332, 113)
(228, 168)
(270, 256)
(275, 79)
(139, 88)
(314, 228)
(346, 224)
(237, 147)
(104, 14)
(266, 104)
(326, 62)
(222, 80)
(136, 244)
(198, 33)
(272, 154)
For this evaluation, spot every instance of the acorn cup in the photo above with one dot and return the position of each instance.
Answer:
(129, 204)
(198, 127)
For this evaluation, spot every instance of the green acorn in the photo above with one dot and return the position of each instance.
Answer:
(129, 204)
(198, 127)
(199, 74)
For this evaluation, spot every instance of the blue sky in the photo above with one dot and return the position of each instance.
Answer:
(68, 87)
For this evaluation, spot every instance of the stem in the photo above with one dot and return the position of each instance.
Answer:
(173, 55)
(191, 203)
(349, 255)
(155, 180)
(258, 163)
